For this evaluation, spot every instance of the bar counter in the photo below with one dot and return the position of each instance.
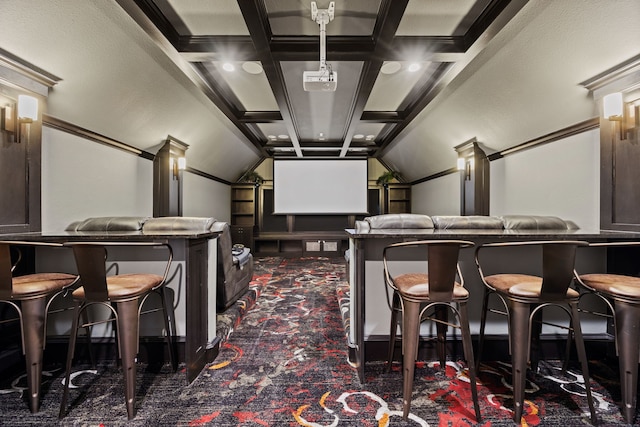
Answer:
(369, 315)
(192, 278)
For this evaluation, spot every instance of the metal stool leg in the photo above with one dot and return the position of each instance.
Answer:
(411, 334)
(169, 334)
(442, 314)
(483, 323)
(393, 330)
(519, 356)
(468, 354)
(128, 339)
(627, 330)
(582, 355)
(70, 352)
(33, 313)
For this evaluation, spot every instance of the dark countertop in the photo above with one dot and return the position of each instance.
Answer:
(428, 233)
(67, 236)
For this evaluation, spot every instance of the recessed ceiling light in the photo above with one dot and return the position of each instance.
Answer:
(358, 136)
(283, 136)
(228, 66)
(370, 137)
(272, 137)
(413, 67)
(252, 67)
(390, 67)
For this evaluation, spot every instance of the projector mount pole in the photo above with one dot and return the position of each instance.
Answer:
(322, 17)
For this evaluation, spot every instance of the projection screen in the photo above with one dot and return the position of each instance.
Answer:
(320, 186)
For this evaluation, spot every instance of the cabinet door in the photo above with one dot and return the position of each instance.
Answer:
(243, 235)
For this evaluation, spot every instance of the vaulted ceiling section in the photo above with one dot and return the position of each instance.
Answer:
(392, 57)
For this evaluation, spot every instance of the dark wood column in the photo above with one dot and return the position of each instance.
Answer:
(474, 179)
(167, 178)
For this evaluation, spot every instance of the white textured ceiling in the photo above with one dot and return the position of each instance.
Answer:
(524, 85)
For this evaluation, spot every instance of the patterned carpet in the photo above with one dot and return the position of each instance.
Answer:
(285, 364)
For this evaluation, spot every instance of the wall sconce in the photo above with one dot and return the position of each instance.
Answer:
(27, 114)
(617, 111)
(177, 164)
(9, 121)
(465, 164)
(18, 123)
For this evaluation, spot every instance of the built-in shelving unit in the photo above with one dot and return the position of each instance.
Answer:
(397, 198)
(244, 210)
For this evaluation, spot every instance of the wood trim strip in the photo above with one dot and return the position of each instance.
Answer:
(61, 125)
(576, 129)
(585, 126)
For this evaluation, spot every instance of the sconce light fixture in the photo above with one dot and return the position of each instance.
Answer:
(27, 114)
(622, 114)
(18, 126)
(465, 164)
(177, 164)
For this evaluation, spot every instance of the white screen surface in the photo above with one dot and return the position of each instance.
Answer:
(320, 186)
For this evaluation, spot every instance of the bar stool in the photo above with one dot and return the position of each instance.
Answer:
(414, 294)
(621, 294)
(31, 295)
(525, 295)
(124, 296)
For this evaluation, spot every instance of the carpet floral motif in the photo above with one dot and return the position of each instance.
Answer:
(283, 362)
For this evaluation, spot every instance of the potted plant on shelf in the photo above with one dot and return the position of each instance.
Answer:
(384, 179)
(252, 177)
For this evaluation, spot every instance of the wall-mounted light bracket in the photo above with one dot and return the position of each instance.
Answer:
(16, 122)
(8, 121)
(623, 115)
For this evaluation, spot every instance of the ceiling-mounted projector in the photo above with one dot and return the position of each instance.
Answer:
(320, 81)
(325, 79)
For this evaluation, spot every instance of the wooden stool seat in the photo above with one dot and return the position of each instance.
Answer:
(416, 285)
(126, 286)
(522, 285)
(614, 285)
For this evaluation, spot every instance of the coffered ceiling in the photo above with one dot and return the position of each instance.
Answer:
(392, 57)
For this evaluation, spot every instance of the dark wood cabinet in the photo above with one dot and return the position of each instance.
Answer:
(397, 198)
(244, 213)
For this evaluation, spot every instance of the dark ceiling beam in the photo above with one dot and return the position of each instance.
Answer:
(389, 17)
(257, 21)
(261, 117)
(138, 10)
(381, 117)
(155, 15)
(304, 48)
(237, 48)
(484, 21)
